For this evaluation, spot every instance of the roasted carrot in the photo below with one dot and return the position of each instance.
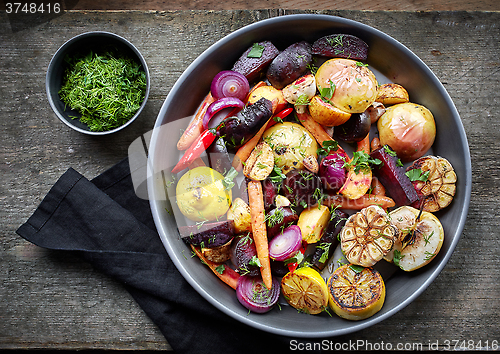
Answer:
(195, 128)
(375, 144)
(259, 231)
(364, 145)
(316, 130)
(377, 187)
(359, 203)
(226, 274)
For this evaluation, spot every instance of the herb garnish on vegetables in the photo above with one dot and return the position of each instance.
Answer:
(106, 89)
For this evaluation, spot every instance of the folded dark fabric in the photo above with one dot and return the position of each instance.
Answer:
(104, 222)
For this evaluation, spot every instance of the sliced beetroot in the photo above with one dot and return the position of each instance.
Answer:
(289, 65)
(341, 46)
(278, 219)
(329, 240)
(392, 175)
(255, 60)
(270, 191)
(208, 234)
(244, 254)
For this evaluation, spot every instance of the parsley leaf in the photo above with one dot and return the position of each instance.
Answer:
(328, 145)
(417, 175)
(361, 161)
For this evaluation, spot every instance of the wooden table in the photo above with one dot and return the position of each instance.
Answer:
(51, 300)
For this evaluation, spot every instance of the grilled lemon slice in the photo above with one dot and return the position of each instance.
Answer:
(305, 290)
(356, 295)
(367, 236)
(420, 238)
(438, 188)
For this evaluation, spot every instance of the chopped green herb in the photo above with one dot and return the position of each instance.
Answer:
(356, 268)
(417, 175)
(328, 145)
(326, 93)
(256, 51)
(220, 269)
(228, 180)
(361, 161)
(397, 257)
(106, 89)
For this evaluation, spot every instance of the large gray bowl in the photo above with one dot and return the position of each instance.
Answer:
(390, 58)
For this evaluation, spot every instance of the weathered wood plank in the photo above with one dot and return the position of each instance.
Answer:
(50, 300)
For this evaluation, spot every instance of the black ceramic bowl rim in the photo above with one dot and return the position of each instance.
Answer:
(312, 326)
(53, 81)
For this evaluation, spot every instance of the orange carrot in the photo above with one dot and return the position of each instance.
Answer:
(195, 128)
(359, 203)
(316, 130)
(259, 231)
(377, 187)
(364, 145)
(375, 144)
(226, 274)
(246, 149)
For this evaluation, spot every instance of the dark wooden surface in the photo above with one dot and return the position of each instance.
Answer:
(51, 300)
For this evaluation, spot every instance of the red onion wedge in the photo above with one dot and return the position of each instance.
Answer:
(255, 296)
(332, 171)
(229, 83)
(220, 104)
(285, 244)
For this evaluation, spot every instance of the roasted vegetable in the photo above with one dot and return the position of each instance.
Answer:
(434, 180)
(238, 129)
(254, 61)
(325, 113)
(302, 188)
(300, 92)
(219, 156)
(278, 219)
(421, 236)
(367, 236)
(389, 94)
(329, 240)
(289, 65)
(291, 144)
(239, 212)
(244, 255)
(354, 84)
(391, 174)
(312, 221)
(260, 163)
(208, 235)
(355, 129)
(408, 128)
(341, 46)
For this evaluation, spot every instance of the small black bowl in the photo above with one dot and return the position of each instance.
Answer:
(83, 44)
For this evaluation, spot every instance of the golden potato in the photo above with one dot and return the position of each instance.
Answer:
(389, 94)
(201, 195)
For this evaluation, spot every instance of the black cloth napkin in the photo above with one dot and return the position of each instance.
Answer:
(104, 222)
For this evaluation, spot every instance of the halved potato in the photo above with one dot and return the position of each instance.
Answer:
(389, 94)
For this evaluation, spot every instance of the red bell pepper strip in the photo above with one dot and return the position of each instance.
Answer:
(201, 143)
(294, 265)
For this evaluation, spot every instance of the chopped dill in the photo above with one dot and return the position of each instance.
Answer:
(106, 89)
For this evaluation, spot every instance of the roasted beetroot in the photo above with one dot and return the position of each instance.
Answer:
(391, 174)
(289, 65)
(341, 46)
(254, 61)
(329, 241)
(278, 219)
(270, 191)
(302, 188)
(244, 255)
(208, 235)
(238, 129)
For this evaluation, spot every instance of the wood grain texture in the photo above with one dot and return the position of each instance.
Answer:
(52, 300)
(388, 5)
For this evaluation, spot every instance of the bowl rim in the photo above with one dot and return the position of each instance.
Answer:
(356, 326)
(65, 46)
